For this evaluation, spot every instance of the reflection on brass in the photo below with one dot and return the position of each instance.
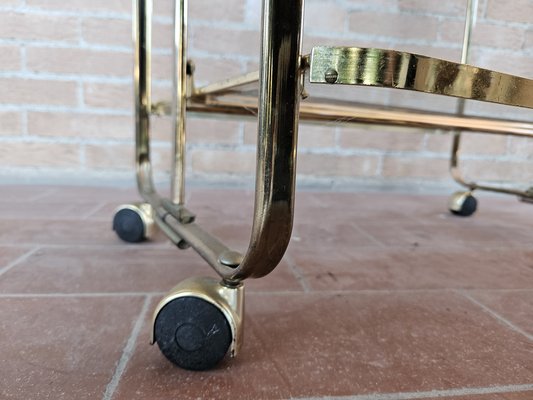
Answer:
(179, 97)
(400, 70)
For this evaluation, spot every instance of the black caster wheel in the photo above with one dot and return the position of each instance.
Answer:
(463, 204)
(132, 223)
(192, 333)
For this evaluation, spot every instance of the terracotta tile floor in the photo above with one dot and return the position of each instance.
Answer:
(381, 296)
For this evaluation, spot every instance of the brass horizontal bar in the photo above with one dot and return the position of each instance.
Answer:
(322, 110)
(400, 70)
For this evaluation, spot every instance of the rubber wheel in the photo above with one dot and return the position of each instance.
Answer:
(129, 226)
(192, 333)
(468, 207)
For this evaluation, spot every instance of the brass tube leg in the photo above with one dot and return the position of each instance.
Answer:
(470, 20)
(280, 77)
(179, 102)
(277, 137)
(142, 30)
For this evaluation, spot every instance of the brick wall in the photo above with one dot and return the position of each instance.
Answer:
(66, 89)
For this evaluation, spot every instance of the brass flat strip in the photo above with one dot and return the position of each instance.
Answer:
(400, 70)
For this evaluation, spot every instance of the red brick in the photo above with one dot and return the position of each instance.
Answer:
(226, 41)
(213, 131)
(324, 16)
(528, 42)
(390, 5)
(162, 36)
(10, 123)
(79, 61)
(107, 31)
(118, 32)
(214, 69)
(229, 10)
(449, 7)
(492, 110)
(380, 138)
(38, 27)
(444, 53)
(516, 11)
(471, 143)
(63, 124)
(39, 154)
(32, 91)
(122, 157)
(394, 25)
(508, 63)
(411, 167)
(484, 34)
(337, 165)
(223, 162)
(120, 6)
(10, 60)
(506, 171)
(110, 156)
(161, 66)
(108, 95)
(521, 148)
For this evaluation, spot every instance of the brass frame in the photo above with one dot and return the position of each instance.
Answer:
(280, 82)
(273, 95)
(455, 171)
(279, 94)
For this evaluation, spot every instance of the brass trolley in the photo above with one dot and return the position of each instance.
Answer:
(201, 319)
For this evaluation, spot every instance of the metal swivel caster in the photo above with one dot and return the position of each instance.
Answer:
(463, 204)
(198, 322)
(134, 223)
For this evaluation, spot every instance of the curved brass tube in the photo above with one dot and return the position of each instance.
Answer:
(279, 95)
(277, 133)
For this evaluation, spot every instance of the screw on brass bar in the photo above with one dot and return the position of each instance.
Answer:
(331, 75)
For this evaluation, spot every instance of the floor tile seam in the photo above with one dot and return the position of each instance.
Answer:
(165, 246)
(127, 352)
(501, 319)
(19, 260)
(369, 236)
(487, 247)
(260, 292)
(427, 395)
(297, 273)
(277, 365)
(350, 291)
(93, 211)
(48, 192)
(78, 295)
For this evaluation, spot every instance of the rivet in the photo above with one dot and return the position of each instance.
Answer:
(331, 75)
(231, 258)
